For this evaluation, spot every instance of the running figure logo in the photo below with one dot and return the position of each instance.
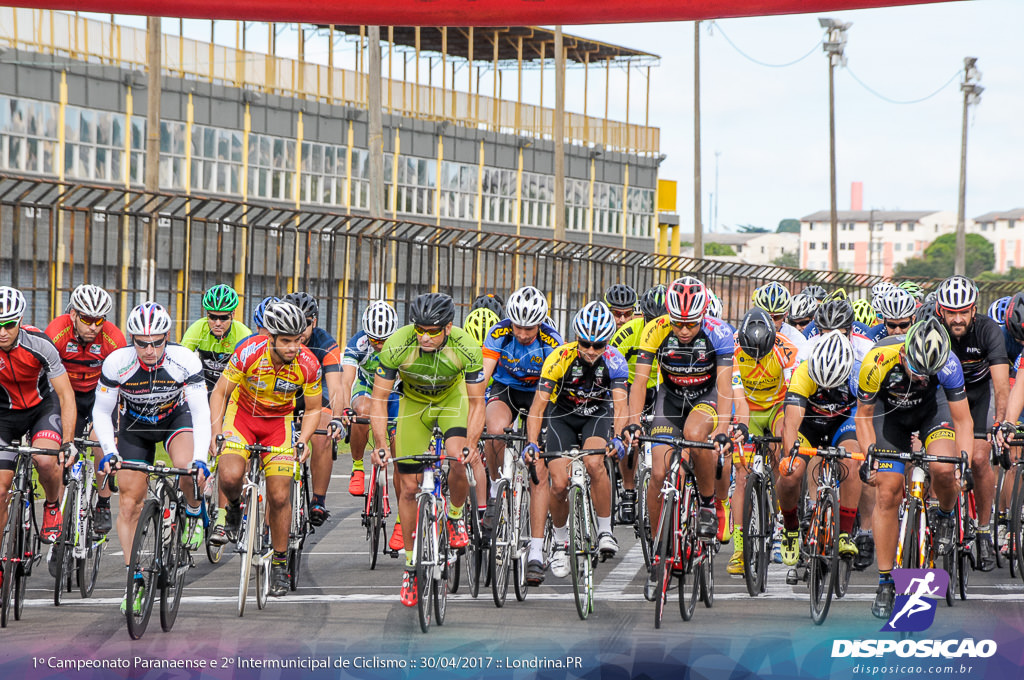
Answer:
(916, 593)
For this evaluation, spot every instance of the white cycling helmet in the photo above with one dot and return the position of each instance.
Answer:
(284, 318)
(380, 320)
(897, 304)
(831, 360)
(527, 307)
(881, 288)
(957, 292)
(802, 306)
(714, 304)
(686, 299)
(149, 318)
(594, 323)
(12, 304)
(89, 300)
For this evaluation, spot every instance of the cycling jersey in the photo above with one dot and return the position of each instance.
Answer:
(518, 364)
(83, 361)
(883, 378)
(627, 341)
(579, 387)
(877, 332)
(980, 347)
(795, 337)
(361, 354)
(429, 377)
(861, 347)
(325, 348)
(764, 381)
(811, 329)
(822, 405)
(213, 352)
(27, 368)
(689, 369)
(264, 389)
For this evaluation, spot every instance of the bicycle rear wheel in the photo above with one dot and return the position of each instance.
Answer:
(501, 544)
(823, 548)
(425, 560)
(175, 566)
(707, 573)
(64, 544)
(757, 534)
(687, 555)
(144, 569)
(521, 522)
(579, 553)
(9, 547)
(298, 533)
(89, 566)
(212, 498)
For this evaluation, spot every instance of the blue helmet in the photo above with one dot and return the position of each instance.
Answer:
(257, 314)
(998, 310)
(594, 323)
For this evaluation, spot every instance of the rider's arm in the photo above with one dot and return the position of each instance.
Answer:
(723, 384)
(535, 420)
(68, 410)
(102, 410)
(1015, 403)
(222, 392)
(199, 409)
(638, 390)
(963, 426)
(312, 407)
(739, 396)
(791, 426)
(335, 387)
(620, 416)
(475, 422)
(1000, 389)
(379, 409)
(864, 422)
(348, 378)
(490, 363)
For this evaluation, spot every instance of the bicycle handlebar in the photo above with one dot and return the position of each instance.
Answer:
(916, 457)
(677, 442)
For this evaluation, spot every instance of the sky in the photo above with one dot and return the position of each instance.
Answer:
(766, 128)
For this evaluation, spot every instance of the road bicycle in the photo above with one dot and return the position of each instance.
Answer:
(759, 502)
(78, 549)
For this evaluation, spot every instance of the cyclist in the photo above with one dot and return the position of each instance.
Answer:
(815, 291)
(997, 311)
(362, 355)
(714, 304)
(257, 314)
(581, 397)
(479, 322)
(775, 299)
(159, 389)
(442, 385)
(621, 300)
(84, 338)
(820, 405)
(763, 362)
(491, 301)
(979, 345)
(513, 354)
(864, 312)
(215, 337)
(836, 301)
(694, 400)
(36, 399)
(900, 379)
(801, 311)
(255, 399)
(914, 288)
(326, 350)
(896, 309)
(832, 315)
(626, 340)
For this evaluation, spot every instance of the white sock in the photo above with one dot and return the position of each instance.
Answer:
(536, 550)
(562, 534)
(604, 525)
(493, 491)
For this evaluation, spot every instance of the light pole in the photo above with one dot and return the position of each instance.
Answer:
(835, 41)
(972, 95)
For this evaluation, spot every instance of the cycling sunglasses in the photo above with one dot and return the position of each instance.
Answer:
(592, 345)
(897, 326)
(427, 332)
(9, 323)
(91, 320)
(688, 325)
(155, 344)
(218, 317)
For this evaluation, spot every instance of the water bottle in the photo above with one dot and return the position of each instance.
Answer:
(168, 514)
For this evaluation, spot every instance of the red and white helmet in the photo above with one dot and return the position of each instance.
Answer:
(149, 318)
(686, 299)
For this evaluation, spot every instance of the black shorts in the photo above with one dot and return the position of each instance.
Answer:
(979, 398)
(567, 429)
(40, 421)
(137, 440)
(670, 413)
(931, 421)
(84, 402)
(518, 401)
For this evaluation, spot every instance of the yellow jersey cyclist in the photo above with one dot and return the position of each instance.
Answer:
(820, 405)
(441, 369)
(763, 362)
(215, 337)
(581, 397)
(621, 300)
(694, 354)
(911, 383)
(160, 390)
(977, 341)
(255, 399)
(514, 352)
(627, 341)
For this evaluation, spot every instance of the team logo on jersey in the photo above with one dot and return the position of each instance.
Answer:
(283, 385)
(95, 349)
(72, 347)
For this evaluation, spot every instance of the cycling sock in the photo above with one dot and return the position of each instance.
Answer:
(280, 558)
(561, 534)
(983, 530)
(884, 577)
(191, 511)
(944, 513)
(604, 524)
(847, 516)
(357, 465)
(707, 501)
(409, 565)
(222, 515)
(319, 499)
(454, 512)
(102, 502)
(536, 550)
(790, 520)
(493, 490)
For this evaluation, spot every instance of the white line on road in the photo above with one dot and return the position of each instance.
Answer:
(622, 575)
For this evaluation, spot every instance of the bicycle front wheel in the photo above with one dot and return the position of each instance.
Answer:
(374, 518)
(823, 548)
(89, 566)
(662, 562)
(757, 534)
(644, 534)
(144, 569)
(261, 548)
(440, 593)
(1016, 514)
(579, 553)
(686, 549)
(247, 543)
(425, 561)
(501, 542)
(9, 553)
(64, 544)
(521, 525)
(211, 497)
(175, 566)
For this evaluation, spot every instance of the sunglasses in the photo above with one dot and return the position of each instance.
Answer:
(688, 325)
(897, 326)
(592, 345)
(914, 372)
(778, 317)
(9, 324)
(218, 317)
(91, 320)
(799, 323)
(155, 344)
(428, 332)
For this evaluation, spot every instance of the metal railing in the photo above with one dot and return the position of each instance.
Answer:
(65, 234)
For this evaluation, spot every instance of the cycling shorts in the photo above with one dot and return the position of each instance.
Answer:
(823, 432)
(567, 429)
(670, 413)
(137, 440)
(762, 422)
(41, 421)
(362, 390)
(414, 428)
(979, 398)
(518, 401)
(247, 428)
(83, 403)
(931, 421)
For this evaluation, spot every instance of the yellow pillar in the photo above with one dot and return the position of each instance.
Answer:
(437, 178)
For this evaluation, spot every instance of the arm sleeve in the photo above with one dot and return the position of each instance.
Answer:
(199, 408)
(102, 409)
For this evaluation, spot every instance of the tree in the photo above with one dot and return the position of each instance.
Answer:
(720, 249)
(790, 259)
(940, 254)
(751, 229)
(1012, 274)
(789, 226)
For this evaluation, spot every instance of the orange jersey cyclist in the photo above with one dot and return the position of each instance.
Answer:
(258, 388)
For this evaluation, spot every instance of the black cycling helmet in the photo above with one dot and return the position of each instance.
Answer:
(652, 303)
(1015, 317)
(815, 291)
(620, 296)
(834, 315)
(491, 301)
(304, 301)
(926, 311)
(756, 334)
(432, 309)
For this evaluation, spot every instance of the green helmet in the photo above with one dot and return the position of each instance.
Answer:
(914, 288)
(864, 312)
(220, 298)
(478, 322)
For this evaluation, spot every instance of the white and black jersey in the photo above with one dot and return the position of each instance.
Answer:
(150, 394)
